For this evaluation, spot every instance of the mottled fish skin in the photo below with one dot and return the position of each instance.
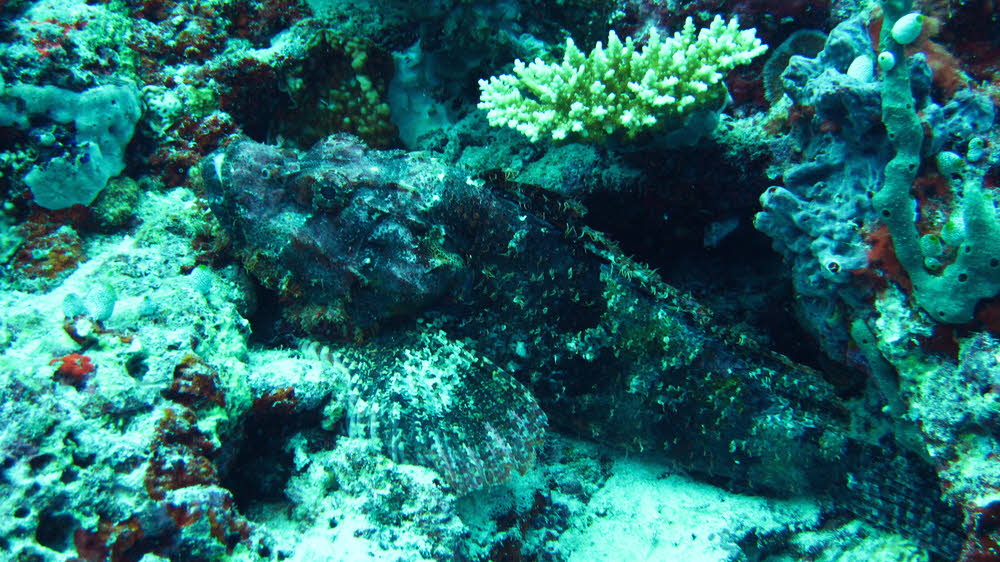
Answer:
(346, 236)
(607, 350)
(369, 231)
(432, 401)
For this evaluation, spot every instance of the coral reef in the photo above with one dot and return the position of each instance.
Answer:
(295, 280)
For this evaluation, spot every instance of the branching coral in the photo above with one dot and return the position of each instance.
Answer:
(620, 90)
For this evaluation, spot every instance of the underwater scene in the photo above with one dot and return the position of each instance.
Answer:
(514, 280)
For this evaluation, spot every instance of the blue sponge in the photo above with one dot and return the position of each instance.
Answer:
(104, 119)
